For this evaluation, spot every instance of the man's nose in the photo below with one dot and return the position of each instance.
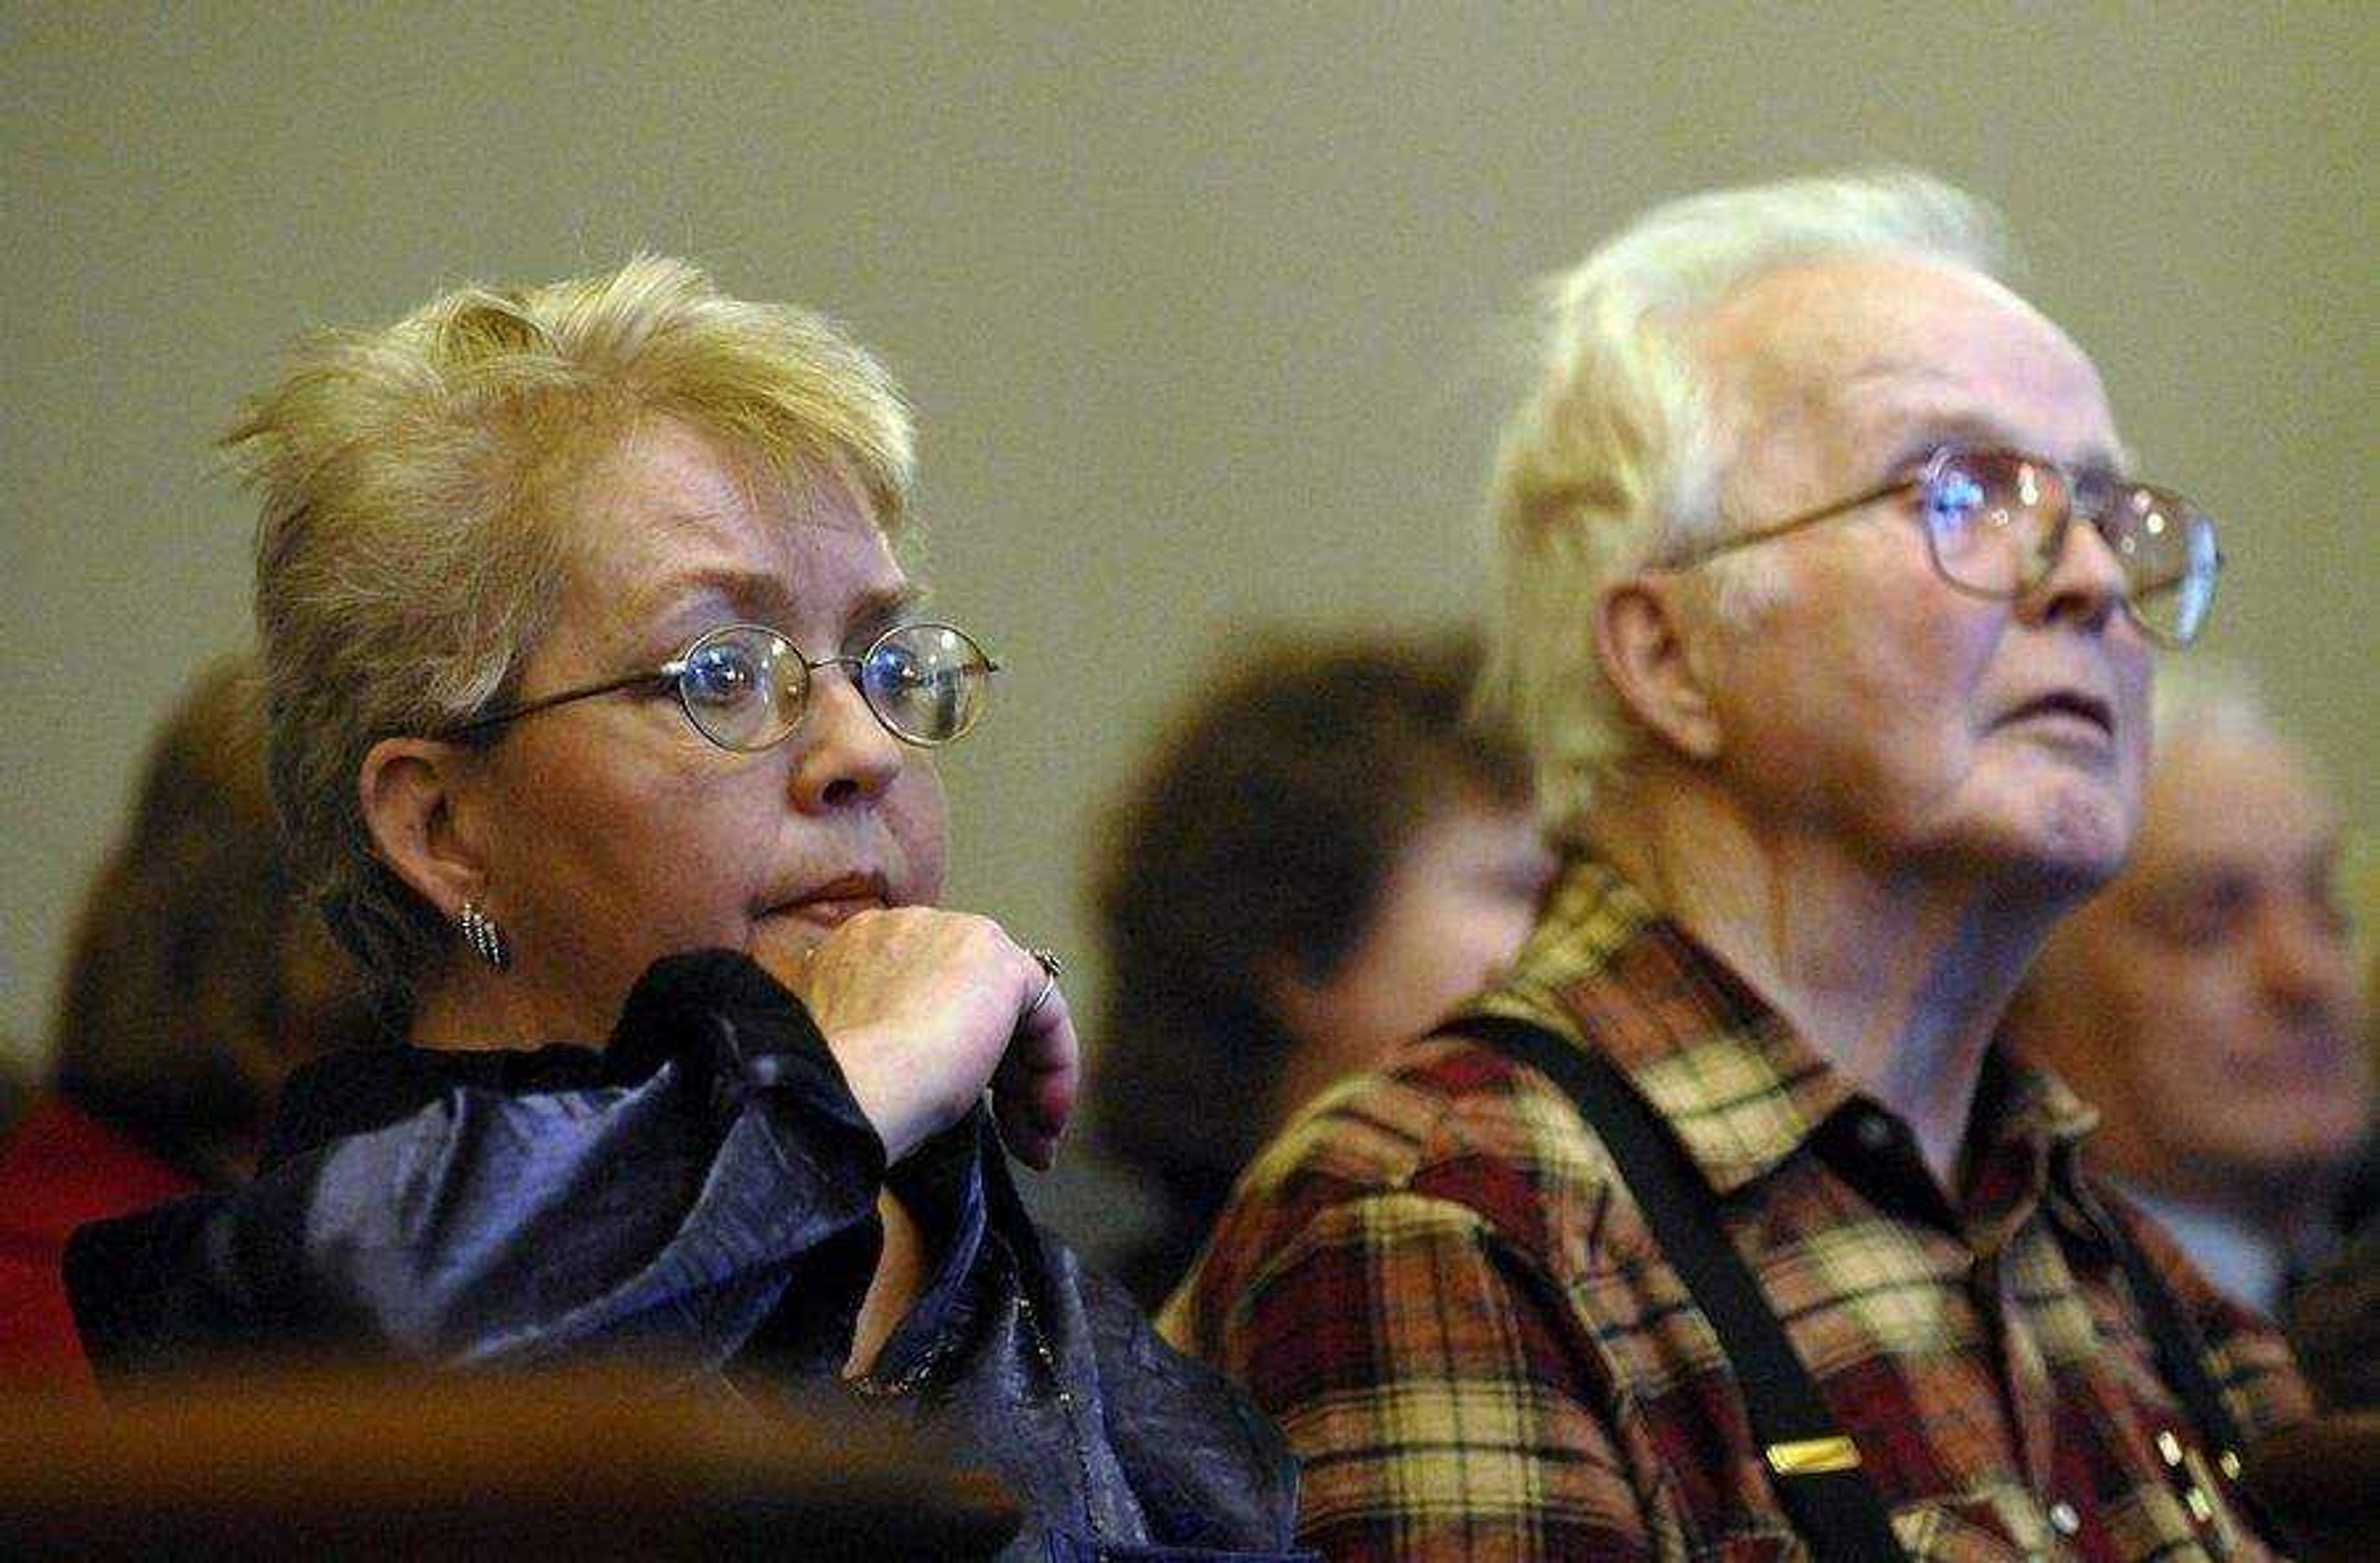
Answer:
(2303, 956)
(2086, 580)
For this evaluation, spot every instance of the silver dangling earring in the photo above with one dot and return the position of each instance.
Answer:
(486, 940)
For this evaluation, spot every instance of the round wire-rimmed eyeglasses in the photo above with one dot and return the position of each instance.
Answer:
(746, 687)
(1997, 521)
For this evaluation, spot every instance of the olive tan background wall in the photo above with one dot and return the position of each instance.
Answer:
(1200, 304)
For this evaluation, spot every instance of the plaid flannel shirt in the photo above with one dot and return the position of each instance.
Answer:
(1438, 1285)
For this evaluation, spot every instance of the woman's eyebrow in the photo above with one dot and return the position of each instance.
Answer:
(758, 597)
(751, 594)
(886, 605)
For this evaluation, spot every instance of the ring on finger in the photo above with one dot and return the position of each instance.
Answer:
(1052, 967)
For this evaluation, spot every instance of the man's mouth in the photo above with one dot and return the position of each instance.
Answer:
(2066, 706)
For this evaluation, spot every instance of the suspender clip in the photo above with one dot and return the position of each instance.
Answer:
(1813, 1456)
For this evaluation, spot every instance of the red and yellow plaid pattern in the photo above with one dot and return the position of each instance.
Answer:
(1437, 1284)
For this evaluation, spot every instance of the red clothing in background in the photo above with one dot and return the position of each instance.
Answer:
(59, 1169)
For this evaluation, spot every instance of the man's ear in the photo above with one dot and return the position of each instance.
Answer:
(1642, 636)
(409, 789)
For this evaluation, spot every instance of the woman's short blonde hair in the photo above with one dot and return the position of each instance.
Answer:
(417, 483)
(1612, 461)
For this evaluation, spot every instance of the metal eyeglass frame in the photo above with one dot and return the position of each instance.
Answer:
(2060, 529)
(673, 673)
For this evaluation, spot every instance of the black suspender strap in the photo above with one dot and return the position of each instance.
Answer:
(1815, 1466)
(2181, 1349)
(2182, 1362)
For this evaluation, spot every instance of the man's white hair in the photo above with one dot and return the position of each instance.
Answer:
(1611, 462)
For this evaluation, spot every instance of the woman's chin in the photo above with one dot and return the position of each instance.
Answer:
(781, 940)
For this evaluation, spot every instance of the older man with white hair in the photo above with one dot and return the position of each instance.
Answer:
(2205, 1003)
(1724, 1225)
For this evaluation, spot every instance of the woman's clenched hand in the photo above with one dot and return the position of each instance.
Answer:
(923, 1008)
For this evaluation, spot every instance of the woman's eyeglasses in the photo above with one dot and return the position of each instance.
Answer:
(745, 686)
(1997, 523)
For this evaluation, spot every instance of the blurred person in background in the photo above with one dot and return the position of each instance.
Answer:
(603, 718)
(2206, 1003)
(1320, 858)
(196, 980)
(2334, 1322)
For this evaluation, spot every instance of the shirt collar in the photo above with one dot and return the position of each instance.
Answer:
(1740, 1086)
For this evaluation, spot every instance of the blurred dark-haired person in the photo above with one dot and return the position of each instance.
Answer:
(2205, 1003)
(1322, 855)
(196, 980)
(1724, 1225)
(603, 718)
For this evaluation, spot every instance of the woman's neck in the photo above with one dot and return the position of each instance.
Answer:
(466, 1010)
(1896, 976)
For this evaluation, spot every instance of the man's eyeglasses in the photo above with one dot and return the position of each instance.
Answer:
(745, 686)
(1997, 523)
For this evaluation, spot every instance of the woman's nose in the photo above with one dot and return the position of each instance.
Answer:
(846, 757)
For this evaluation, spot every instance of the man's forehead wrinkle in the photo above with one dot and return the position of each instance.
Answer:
(1756, 391)
(1901, 401)
(1776, 366)
(1847, 335)
(1893, 400)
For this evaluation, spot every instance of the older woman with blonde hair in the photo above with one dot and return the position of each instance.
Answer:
(601, 713)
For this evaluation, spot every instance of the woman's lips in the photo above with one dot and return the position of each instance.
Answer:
(838, 900)
(833, 911)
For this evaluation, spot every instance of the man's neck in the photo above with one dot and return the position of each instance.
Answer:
(1896, 978)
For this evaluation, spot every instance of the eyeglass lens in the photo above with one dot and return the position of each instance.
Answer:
(1996, 521)
(927, 681)
(746, 687)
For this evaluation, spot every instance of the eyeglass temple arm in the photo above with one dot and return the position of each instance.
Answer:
(1793, 523)
(666, 673)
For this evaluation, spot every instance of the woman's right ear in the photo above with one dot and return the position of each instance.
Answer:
(409, 789)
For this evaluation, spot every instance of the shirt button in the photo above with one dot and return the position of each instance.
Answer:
(2063, 1519)
(1875, 1131)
